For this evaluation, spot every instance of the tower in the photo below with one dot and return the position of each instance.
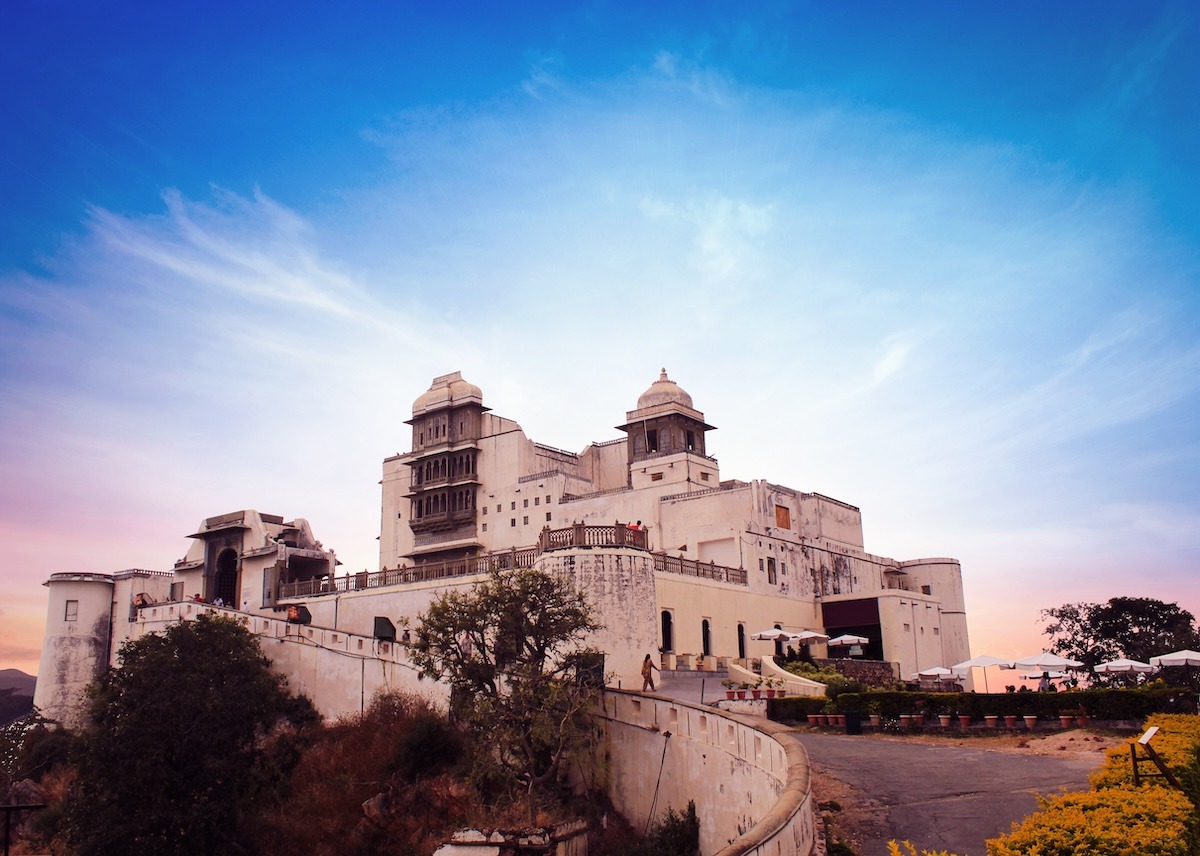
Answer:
(664, 423)
(77, 641)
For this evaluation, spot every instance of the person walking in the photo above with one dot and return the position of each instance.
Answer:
(648, 669)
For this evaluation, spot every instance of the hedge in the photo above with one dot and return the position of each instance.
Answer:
(1101, 704)
(1175, 743)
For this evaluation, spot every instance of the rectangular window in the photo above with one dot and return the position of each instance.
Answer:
(691, 440)
(497, 508)
(485, 509)
(71, 613)
(525, 520)
(656, 476)
(547, 516)
(537, 500)
(703, 476)
(485, 527)
(783, 569)
(771, 571)
(651, 441)
(783, 517)
(547, 499)
(937, 631)
(514, 505)
(907, 628)
(926, 590)
(760, 564)
(512, 522)
(526, 505)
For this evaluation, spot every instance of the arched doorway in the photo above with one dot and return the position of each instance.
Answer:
(778, 645)
(225, 586)
(741, 641)
(705, 638)
(668, 631)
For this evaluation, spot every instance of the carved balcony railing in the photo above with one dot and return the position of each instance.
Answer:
(705, 570)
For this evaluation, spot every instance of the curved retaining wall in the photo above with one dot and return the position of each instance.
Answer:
(748, 777)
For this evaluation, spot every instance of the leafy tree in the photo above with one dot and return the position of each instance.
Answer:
(1135, 627)
(507, 648)
(180, 744)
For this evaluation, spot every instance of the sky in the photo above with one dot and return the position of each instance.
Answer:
(940, 261)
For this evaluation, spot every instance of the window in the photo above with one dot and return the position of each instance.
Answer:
(703, 476)
(525, 520)
(547, 516)
(656, 476)
(485, 527)
(783, 569)
(514, 505)
(691, 440)
(783, 517)
(651, 441)
(771, 571)
(485, 509)
(512, 522)
(526, 505)
(926, 590)
(537, 500)
(71, 613)
(547, 499)
(907, 627)
(937, 631)
(760, 564)
(497, 508)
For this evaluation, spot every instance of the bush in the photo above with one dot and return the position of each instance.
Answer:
(1175, 743)
(1100, 704)
(1119, 821)
(794, 708)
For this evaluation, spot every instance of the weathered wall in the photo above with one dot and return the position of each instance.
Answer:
(75, 650)
(748, 777)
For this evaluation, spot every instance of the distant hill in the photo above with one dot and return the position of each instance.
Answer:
(17, 680)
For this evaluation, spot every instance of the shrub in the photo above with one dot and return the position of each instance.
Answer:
(1175, 743)
(1118, 821)
(906, 848)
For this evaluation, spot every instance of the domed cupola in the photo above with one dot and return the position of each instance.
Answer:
(663, 391)
(665, 422)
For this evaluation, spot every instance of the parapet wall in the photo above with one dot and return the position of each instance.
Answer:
(748, 777)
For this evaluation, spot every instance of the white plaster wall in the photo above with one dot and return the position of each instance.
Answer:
(74, 652)
(748, 777)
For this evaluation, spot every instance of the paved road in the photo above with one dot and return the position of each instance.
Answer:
(943, 797)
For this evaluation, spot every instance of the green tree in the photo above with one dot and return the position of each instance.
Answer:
(508, 648)
(181, 743)
(1135, 627)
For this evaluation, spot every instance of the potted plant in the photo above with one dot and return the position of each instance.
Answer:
(1081, 715)
(873, 713)
(964, 719)
(756, 690)
(741, 689)
(774, 687)
(1030, 721)
(730, 685)
(944, 719)
(991, 720)
(1010, 720)
(1066, 720)
(831, 716)
(814, 719)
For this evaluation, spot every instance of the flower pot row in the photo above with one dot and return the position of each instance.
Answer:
(826, 719)
(945, 720)
(765, 693)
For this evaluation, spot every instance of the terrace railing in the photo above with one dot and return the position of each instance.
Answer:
(705, 570)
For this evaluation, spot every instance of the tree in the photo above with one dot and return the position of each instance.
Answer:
(1135, 627)
(180, 743)
(508, 648)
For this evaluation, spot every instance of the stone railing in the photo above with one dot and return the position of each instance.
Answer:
(748, 776)
(502, 560)
(579, 535)
(706, 570)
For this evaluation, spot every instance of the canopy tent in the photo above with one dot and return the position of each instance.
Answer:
(938, 672)
(1177, 658)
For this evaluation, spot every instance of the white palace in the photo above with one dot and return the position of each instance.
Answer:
(713, 560)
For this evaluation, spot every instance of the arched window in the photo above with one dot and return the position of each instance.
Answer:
(668, 631)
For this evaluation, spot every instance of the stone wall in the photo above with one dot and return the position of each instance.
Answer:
(869, 673)
(748, 777)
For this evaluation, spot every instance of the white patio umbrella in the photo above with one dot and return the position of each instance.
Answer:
(847, 639)
(1177, 658)
(805, 637)
(1033, 676)
(1122, 664)
(980, 662)
(774, 635)
(938, 672)
(1046, 662)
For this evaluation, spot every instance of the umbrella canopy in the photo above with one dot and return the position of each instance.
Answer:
(1178, 658)
(1122, 664)
(804, 637)
(1046, 661)
(939, 672)
(849, 639)
(774, 635)
(980, 662)
(1033, 676)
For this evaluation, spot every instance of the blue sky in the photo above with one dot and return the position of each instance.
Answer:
(939, 262)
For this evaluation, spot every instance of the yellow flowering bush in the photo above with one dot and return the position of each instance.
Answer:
(1116, 821)
(907, 849)
(1175, 743)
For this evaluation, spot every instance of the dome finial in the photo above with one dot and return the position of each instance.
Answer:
(663, 375)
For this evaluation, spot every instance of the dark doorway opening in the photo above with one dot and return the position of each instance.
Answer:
(225, 586)
(706, 638)
(668, 631)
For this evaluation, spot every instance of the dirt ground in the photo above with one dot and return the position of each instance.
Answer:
(850, 816)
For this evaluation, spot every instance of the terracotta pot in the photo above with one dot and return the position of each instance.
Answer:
(839, 719)
(944, 720)
(814, 719)
(1010, 721)
(918, 719)
(875, 720)
(1082, 719)
(1066, 721)
(964, 720)
(740, 693)
(756, 693)
(1030, 722)
(992, 721)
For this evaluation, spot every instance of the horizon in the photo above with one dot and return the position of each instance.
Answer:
(939, 263)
